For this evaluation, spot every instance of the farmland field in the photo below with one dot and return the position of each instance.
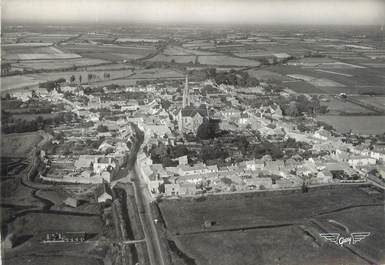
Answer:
(305, 87)
(320, 82)
(156, 73)
(14, 82)
(173, 58)
(58, 64)
(34, 52)
(111, 52)
(32, 80)
(226, 60)
(177, 50)
(267, 75)
(349, 81)
(144, 74)
(215, 59)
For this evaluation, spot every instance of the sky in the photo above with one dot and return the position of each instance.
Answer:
(345, 12)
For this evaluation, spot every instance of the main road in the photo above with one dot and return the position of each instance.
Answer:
(143, 201)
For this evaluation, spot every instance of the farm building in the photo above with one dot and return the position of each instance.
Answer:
(103, 193)
(57, 237)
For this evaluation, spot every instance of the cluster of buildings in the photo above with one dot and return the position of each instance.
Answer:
(335, 162)
(105, 144)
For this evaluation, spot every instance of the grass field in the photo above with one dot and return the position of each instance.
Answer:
(337, 106)
(19, 144)
(22, 196)
(49, 260)
(363, 219)
(272, 229)
(36, 223)
(288, 245)
(57, 197)
(376, 101)
(255, 211)
(358, 124)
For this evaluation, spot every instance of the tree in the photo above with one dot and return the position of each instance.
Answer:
(165, 104)
(196, 60)
(292, 109)
(208, 129)
(5, 68)
(72, 79)
(80, 79)
(89, 124)
(7, 96)
(304, 187)
(34, 94)
(102, 128)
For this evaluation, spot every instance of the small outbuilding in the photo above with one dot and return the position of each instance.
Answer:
(71, 202)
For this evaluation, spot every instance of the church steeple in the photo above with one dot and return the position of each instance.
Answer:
(186, 94)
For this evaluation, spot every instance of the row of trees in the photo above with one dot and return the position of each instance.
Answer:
(297, 105)
(232, 77)
(50, 85)
(90, 77)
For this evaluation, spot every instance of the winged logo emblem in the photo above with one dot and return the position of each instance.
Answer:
(339, 240)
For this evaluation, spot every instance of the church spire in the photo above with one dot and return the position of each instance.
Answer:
(186, 94)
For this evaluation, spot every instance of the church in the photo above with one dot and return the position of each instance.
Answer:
(189, 117)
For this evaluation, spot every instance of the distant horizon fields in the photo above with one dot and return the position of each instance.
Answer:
(10, 22)
(306, 29)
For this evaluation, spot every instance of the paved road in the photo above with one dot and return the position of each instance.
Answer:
(143, 200)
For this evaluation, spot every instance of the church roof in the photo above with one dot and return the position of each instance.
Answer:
(191, 112)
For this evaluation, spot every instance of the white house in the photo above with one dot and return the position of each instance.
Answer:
(358, 161)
